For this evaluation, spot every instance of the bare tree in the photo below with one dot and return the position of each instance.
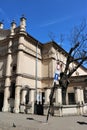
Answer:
(52, 36)
(78, 52)
(77, 56)
(61, 39)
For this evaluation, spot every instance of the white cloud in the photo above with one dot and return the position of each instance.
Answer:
(52, 22)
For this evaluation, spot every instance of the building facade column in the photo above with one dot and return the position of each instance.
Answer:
(78, 95)
(79, 99)
(23, 97)
(19, 64)
(17, 99)
(7, 80)
(23, 101)
(8, 71)
(18, 72)
(59, 96)
(6, 96)
(31, 100)
(82, 96)
(47, 94)
(58, 102)
(47, 100)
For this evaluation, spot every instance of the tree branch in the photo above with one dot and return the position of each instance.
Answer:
(76, 67)
(69, 57)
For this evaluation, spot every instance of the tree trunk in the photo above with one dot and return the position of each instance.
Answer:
(64, 96)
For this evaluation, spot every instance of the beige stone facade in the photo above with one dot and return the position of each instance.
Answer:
(27, 70)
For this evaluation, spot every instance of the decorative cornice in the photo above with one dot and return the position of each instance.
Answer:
(78, 80)
(32, 76)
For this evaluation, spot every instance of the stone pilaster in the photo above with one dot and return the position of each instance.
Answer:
(20, 55)
(79, 99)
(82, 95)
(23, 98)
(59, 96)
(31, 101)
(47, 94)
(18, 78)
(17, 99)
(23, 101)
(58, 103)
(47, 100)
(78, 95)
(82, 101)
(7, 80)
(6, 99)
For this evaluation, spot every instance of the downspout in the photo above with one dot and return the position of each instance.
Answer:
(36, 78)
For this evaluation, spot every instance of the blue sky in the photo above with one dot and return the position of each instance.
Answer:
(45, 18)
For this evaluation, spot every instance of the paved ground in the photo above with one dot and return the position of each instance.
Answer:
(11, 121)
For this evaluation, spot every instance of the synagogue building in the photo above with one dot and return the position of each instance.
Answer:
(27, 69)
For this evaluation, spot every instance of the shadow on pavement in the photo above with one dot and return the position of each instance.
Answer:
(36, 120)
(30, 118)
(84, 115)
(82, 122)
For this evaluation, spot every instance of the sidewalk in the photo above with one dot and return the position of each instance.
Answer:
(11, 121)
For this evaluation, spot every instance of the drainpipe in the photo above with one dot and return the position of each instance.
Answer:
(36, 70)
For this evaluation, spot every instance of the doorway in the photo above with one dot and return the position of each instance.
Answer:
(40, 105)
(71, 98)
(1, 100)
(12, 90)
(12, 96)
